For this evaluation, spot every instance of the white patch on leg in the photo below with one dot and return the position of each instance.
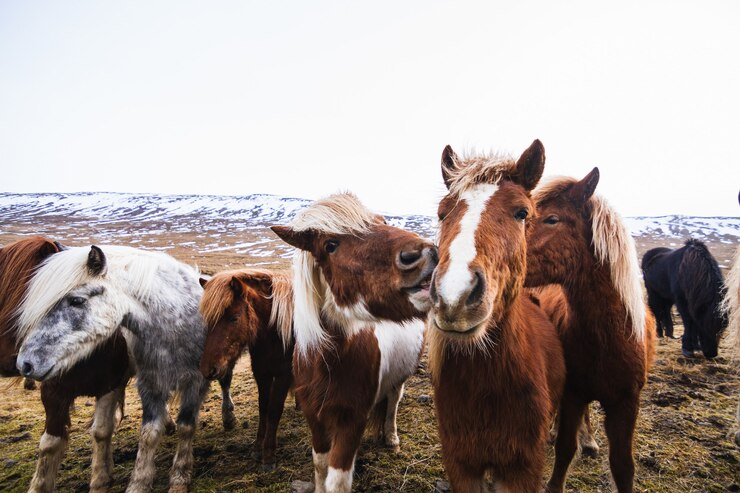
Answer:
(105, 420)
(339, 480)
(455, 281)
(182, 464)
(144, 471)
(320, 466)
(390, 429)
(51, 450)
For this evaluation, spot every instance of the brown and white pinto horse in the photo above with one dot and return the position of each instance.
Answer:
(578, 241)
(496, 361)
(360, 296)
(254, 309)
(104, 375)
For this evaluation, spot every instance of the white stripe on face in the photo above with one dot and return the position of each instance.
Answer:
(458, 276)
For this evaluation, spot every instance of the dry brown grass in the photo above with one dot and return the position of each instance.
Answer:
(683, 442)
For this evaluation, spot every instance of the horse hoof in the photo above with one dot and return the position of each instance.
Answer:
(687, 354)
(590, 452)
(267, 467)
(737, 438)
(229, 422)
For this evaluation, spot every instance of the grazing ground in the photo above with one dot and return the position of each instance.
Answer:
(683, 442)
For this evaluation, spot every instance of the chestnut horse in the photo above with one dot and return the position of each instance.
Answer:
(579, 242)
(254, 309)
(103, 376)
(496, 361)
(360, 296)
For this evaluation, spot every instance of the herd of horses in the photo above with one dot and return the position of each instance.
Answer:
(530, 303)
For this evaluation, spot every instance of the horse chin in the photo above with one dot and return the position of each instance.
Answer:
(421, 300)
(455, 333)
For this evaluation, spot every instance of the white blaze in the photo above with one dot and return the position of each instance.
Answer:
(458, 276)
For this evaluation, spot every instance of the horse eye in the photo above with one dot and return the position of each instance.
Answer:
(77, 301)
(331, 246)
(552, 220)
(521, 214)
(233, 318)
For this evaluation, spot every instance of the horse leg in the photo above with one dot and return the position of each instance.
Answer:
(278, 393)
(53, 442)
(619, 424)
(571, 415)
(187, 420)
(586, 441)
(320, 447)
(737, 434)
(464, 477)
(108, 414)
(668, 321)
(227, 405)
(264, 385)
(390, 430)
(342, 456)
(153, 419)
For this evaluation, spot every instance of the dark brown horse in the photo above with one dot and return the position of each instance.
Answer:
(253, 309)
(360, 296)
(579, 242)
(104, 375)
(497, 364)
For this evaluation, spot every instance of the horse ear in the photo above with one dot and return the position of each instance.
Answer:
(530, 166)
(49, 248)
(203, 281)
(60, 247)
(237, 286)
(584, 189)
(449, 163)
(96, 262)
(299, 239)
(261, 281)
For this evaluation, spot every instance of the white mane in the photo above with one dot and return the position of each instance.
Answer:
(731, 304)
(614, 246)
(131, 269)
(341, 213)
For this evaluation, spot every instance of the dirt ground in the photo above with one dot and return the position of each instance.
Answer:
(683, 443)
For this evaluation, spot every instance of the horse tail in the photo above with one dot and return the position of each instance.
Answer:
(701, 279)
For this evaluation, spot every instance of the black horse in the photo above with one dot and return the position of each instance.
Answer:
(688, 277)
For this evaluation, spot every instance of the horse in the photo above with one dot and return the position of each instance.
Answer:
(731, 308)
(690, 278)
(78, 299)
(252, 308)
(360, 293)
(495, 359)
(579, 242)
(103, 376)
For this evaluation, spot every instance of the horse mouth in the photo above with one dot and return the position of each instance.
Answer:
(456, 333)
(422, 286)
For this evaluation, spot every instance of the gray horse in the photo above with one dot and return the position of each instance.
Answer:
(76, 301)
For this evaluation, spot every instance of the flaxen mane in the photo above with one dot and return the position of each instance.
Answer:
(339, 214)
(472, 169)
(731, 305)
(219, 296)
(62, 272)
(612, 245)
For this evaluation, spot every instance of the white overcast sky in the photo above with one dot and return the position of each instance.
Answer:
(306, 98)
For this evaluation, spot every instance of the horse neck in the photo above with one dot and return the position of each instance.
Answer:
(594, 301)
(262, 308)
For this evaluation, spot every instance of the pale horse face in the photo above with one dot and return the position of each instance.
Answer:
(81, 320)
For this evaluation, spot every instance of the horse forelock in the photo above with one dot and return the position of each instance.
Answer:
(614, 246)
(129, 269)
(217, 297)
(341, 213)
(479, 168)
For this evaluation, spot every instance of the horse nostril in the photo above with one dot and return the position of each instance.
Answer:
(409, 259)
(27, 368)
(433, 289)
(479, 286)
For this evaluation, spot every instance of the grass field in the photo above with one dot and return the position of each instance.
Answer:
(683, 442)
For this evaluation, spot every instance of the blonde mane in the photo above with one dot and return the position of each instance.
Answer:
(731, 305)
(340, 213)
(132, 269)
(218, 296)
(473, 169)
(612, 245)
